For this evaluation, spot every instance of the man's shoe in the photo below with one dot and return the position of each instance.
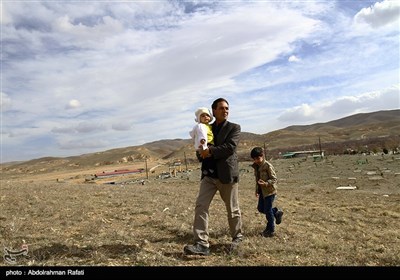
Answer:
(278, 217)
(267, 233)
(196, 249)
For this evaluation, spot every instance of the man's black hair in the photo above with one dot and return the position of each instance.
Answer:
(216, 101)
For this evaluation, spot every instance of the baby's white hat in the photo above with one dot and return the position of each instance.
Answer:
(200, 111)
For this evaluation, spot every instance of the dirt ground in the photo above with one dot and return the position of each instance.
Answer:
(69, 218)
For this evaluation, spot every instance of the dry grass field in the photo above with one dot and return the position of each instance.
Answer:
(66, 219)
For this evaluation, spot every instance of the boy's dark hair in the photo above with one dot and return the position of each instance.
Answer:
(256, 152)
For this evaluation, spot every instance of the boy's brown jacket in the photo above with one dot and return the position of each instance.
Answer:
(266, 172)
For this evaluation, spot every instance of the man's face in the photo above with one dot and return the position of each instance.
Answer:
(221, 112)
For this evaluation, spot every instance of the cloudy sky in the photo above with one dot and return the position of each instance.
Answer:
(84, 76)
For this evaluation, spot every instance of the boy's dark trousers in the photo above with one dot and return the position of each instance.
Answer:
(265, 206)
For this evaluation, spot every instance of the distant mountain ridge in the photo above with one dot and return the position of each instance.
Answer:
(355, 120)
(372, 127)
(362, 128)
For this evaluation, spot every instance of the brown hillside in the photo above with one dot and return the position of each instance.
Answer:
(376, 130)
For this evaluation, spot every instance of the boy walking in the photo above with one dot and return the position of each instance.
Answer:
(266, 190)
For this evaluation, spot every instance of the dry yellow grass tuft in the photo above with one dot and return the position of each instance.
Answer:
(137, 221)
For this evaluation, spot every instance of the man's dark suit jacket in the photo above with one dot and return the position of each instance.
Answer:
(224, 152)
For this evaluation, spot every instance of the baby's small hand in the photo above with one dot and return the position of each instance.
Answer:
(205, 153)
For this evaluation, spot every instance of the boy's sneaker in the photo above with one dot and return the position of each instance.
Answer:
(278, 217)
(267, 233)
(196, 249)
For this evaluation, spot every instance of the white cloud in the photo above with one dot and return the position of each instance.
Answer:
(82, 144)
(76, 71)
(293, 58)
(301, 113)
(85, 127)
(380, 14)
(370, 101)
(5, 101)
(84, 36)
(326, 110)
(73, 103)
(122, 125)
